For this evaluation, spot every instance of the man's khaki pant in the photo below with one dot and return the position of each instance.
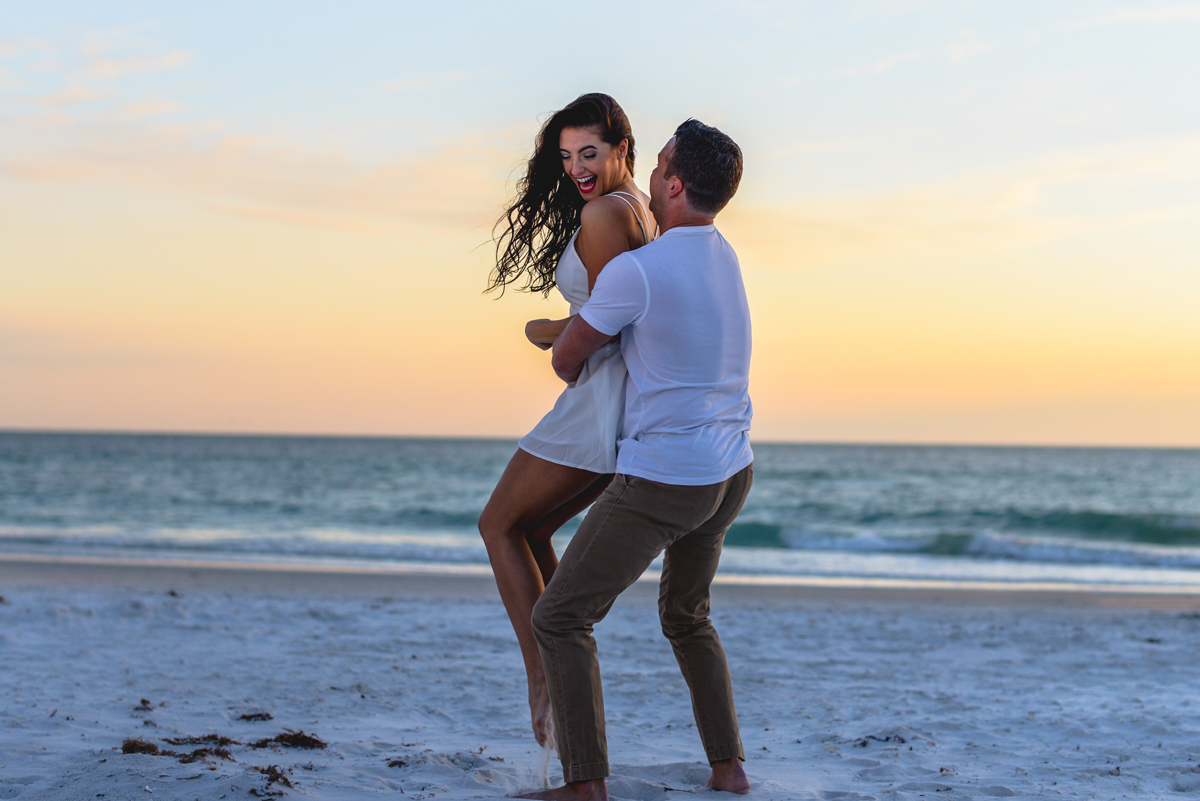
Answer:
(632, 523)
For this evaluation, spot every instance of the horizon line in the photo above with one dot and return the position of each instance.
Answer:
(500, 438)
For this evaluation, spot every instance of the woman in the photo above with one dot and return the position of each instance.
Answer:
(576, 208)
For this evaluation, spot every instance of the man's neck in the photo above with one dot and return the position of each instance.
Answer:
(683, 219)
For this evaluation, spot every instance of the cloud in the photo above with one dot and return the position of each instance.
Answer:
(809, 147)
(956, 53)
(64, 97)
(964, 218)
(1177, 159)
(87, 128)
(259, 176)
(969, 47)
(42, 348)
(1172, 12)
(415, 84)
(883, 65)
(287, 216)
(64, 76)
(1150, 218)
(21, 47)
(107, 69)
(148, 108)
(922, 225)
(884, 9)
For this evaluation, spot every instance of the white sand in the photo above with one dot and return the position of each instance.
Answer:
(843, 694)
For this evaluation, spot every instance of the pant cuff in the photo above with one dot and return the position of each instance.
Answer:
(719, 753)
(583, 773)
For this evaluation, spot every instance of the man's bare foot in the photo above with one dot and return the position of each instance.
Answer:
(592, 790)
(539, 710)
(729, 776)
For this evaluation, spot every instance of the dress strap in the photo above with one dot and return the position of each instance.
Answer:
(636, 216)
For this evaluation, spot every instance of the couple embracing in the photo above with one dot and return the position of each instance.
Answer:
(652, 429)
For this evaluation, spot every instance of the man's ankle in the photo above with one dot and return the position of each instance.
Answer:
(729, 776)
(587, 790)
(590, 789)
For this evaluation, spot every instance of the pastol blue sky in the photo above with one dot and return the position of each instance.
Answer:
(960, 221)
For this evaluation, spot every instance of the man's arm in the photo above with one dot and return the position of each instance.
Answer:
(577, 341)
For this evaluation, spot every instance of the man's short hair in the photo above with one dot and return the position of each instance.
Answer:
(708, 163)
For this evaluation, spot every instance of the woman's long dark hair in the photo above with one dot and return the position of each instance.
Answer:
(535, 229)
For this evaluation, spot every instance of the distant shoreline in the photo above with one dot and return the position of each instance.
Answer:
(513, 439)
(475, 581)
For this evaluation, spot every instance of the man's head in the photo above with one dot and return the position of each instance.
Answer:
(699, 167)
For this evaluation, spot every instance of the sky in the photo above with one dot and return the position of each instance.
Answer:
(959, 222)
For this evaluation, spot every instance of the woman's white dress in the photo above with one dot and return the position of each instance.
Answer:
(582, 428)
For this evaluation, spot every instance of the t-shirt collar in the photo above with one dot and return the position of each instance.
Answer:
(688, 229)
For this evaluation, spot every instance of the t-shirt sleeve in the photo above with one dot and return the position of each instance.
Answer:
(619, 297)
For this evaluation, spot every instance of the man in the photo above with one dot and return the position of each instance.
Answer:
(684, 464)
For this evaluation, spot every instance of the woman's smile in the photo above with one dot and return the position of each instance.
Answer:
(593, 164)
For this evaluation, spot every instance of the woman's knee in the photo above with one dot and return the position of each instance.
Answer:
(493, 526)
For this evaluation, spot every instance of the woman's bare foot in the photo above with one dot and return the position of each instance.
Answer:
(729, 777)
(539, 710)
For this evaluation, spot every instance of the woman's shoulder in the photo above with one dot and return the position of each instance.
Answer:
(605, 210)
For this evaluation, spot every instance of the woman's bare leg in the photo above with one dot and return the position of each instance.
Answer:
(539, 537)
(547, 561)
(532, 500)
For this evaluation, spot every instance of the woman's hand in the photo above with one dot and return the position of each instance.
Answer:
(543, 332)
(533, 328)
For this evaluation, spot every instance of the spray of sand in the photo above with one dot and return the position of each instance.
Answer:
(547, 749)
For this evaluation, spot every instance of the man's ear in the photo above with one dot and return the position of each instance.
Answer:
(674, 186)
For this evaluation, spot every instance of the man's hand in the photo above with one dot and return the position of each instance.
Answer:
(577, 341)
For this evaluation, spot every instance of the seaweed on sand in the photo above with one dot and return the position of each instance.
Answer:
(256, 716)
(217, 739)
(136, 745)
(274, 775)
(204, 754)
(292, 739)
(888, 738)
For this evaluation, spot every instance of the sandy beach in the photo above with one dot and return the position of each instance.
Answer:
(411, 686)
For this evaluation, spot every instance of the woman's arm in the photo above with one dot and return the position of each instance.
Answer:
(543, 332)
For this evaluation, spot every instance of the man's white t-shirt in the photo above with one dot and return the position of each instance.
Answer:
(680, 306)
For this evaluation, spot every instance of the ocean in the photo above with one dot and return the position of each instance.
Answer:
(850, 513)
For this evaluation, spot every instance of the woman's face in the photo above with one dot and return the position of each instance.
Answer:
(596, 166)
